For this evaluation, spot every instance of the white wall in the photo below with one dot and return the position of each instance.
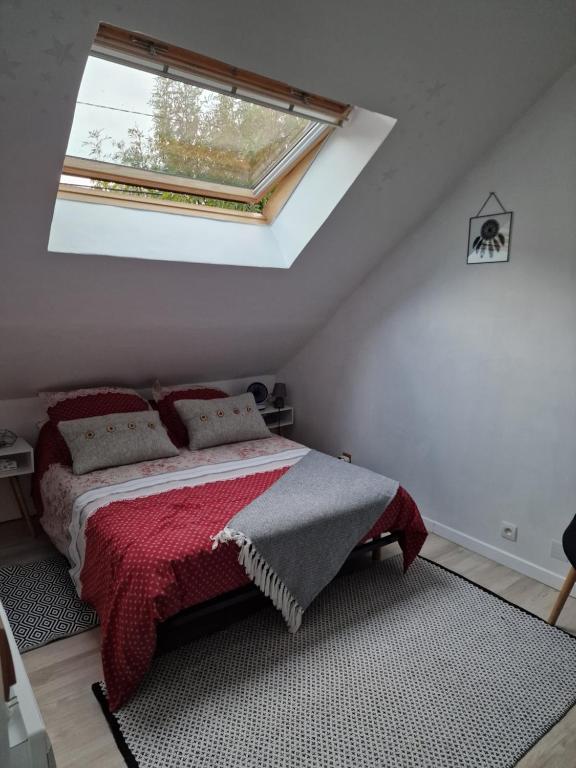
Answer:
(69, 319)
(460, 380)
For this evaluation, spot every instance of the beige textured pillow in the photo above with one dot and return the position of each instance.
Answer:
(222, 420)
(111, 441)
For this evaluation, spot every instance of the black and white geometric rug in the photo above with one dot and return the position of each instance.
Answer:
(424, 670)
(41, 602)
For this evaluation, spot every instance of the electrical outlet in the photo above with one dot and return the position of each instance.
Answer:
(557, 552)
(508, 531)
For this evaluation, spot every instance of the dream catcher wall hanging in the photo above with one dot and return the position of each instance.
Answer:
(489, 235)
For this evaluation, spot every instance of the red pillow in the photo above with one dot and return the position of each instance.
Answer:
(83, 403)
(177, 431)
(50, 449)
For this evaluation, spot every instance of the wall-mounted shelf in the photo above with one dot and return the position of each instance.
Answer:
(276, 418)
(23, 454)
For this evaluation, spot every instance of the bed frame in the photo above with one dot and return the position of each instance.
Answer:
(221, 611)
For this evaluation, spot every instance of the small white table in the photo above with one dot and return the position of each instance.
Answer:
(23, 454)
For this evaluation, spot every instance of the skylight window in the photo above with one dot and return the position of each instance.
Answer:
(155, 122)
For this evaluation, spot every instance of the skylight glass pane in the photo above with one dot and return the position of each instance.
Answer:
(134, 118)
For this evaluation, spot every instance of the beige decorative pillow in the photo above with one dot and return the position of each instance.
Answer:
(223, 420)
(111, 441)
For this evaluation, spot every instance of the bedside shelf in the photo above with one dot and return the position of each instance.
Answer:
(276, 418)
(21, 452)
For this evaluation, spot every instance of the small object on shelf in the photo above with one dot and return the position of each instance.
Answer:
(7, 438)
(279, 395)
(260, 392)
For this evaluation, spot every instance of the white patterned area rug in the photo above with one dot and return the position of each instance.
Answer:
(41, 602)
(424, 670)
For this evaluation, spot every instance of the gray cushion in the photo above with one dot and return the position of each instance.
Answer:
(121, 438)
(223, 420)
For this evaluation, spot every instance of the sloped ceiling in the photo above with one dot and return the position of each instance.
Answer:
(456, 74)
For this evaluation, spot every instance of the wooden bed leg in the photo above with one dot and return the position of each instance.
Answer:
(378, 554)
(563, 596)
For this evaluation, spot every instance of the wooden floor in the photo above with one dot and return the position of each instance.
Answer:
(61, 673)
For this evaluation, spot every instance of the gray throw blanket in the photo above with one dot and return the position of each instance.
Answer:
(295, 537)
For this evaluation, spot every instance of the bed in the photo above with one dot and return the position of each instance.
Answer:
(138, 537)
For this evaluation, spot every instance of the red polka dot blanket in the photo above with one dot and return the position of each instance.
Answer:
(141, 550)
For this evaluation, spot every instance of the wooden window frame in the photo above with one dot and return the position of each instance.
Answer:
(135, 44)
(282, 193)
(138, 177)
(133, 49)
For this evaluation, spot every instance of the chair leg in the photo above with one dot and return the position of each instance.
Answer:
(563, 595)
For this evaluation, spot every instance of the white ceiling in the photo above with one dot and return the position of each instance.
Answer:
(456, 74)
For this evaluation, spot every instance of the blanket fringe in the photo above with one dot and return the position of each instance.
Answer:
(258, 570)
